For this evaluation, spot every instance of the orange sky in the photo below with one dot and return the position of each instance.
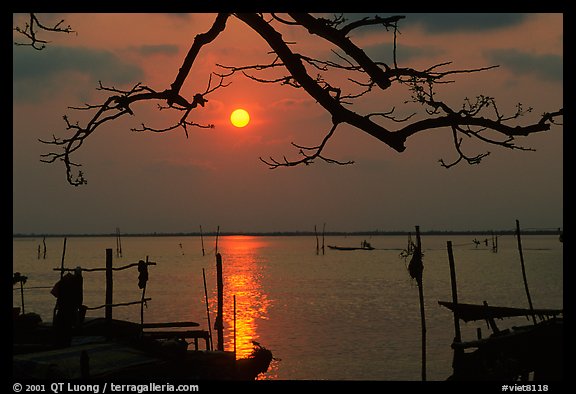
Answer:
(146, 182)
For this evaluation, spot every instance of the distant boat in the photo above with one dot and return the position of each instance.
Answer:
(365, 246)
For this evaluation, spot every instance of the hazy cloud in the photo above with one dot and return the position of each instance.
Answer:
(447, 22)
(35, 70)
(455, 22)
(161, 49)
(547, 67)
(384, 52)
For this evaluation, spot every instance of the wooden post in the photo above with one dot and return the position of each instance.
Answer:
(143, 299)
(109, 286)
(220, 315)
(44, 243)
(202, 241)
(217, 233)
(317, 243)
(234, 326)
(524, 271)
(118, 243)
(323, 232)
(22, 295)
(62, 263)
(457, 335)
(458, 352)
(207, 310)
(422, 313)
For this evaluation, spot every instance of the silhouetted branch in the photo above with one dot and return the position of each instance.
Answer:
(120, 104)
(308, 158)
(32, 28)
(359, 75)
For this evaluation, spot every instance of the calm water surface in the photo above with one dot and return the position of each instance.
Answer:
(341, 315)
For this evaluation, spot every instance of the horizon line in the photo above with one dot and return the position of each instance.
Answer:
(535, 231)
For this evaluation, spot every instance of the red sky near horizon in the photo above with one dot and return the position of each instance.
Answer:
(148, 182)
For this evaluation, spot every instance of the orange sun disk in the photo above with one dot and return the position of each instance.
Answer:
(240, 117)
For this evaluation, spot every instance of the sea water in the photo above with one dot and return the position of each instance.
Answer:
(325, 314)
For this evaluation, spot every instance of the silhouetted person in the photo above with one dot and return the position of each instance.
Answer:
(69, 309)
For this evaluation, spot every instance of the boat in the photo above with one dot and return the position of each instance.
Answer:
(510, 354)
(364, 246)
(122, 349)
(73, 346)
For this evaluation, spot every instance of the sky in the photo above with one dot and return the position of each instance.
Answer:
(144, 182)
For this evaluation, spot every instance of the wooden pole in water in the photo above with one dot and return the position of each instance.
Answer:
(323, 232)
(44, 243)
(234, 326)
(217, 233)
(109, 286)
(220, 315)
(422, 313)
(22, 295)
(62, 263)
(457, 335)
(207, 310)
(118, 243)
(202, 241)
(143, 300)
(317, 244)
(524, 271)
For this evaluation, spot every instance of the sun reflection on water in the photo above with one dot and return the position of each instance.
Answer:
(242, 275)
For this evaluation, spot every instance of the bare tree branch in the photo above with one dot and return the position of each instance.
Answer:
(479, 119)
(33, 26)
(308, 158)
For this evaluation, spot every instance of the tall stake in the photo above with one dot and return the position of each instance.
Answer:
(323, 231)
(118, 243)
(217, 233)
(202, 241)
(458, 352)
(317, 244)
(109, 285)
(234, 326)
(415, 268)
(524, 271)
(219, 325)
(62, 263)
(143, 284)
(22, 295)
(457, 335)
(207, 310)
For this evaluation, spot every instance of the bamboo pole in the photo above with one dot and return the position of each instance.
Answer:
(457, 334)
(220, 315)
(421, 297)
(217, 234)
(118, 243)
(524, 271)
(323, 232)
(317, 243)
(202, 241)
(22, 295)
(62, 263)
(207, 310)
(234, 326)
(143, 299)
(109, 286)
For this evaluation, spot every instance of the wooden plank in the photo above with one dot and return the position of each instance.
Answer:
(469, 312)
(171, 324)
(177, 334)
(104, 358)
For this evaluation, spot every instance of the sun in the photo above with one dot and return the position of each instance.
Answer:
(240, 117)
